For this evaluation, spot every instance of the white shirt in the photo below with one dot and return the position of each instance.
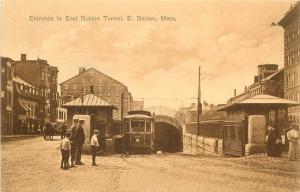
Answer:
(94, 140)
(65, 144)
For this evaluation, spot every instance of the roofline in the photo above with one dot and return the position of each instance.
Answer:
(288, 14)
(98, 72)
(233, 105)
(77, 106)
(257, 83)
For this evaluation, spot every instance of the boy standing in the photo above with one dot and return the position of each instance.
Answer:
(94, 146)
(65, 147)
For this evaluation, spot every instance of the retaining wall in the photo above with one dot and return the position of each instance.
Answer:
(199, 145)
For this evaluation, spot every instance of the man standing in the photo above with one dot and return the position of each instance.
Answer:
(94, 146)
(73, 141)
(80, 136)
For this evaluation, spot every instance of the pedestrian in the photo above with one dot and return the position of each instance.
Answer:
(94, 146)
(63, 130)
(73, 141)
(271, 140)
(45, 131)
(278, 144)
(80, 137)
(293, 136)
(65, 147)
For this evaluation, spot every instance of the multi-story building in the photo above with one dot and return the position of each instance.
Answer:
(41, 75)
(26, 106)
(101, 85)
(7, 95)
(291, 25)
(268, 81)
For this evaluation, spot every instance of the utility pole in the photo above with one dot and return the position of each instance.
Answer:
(199, 106)
(122, 103)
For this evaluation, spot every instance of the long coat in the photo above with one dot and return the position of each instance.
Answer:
(80, 135)
(294, 145)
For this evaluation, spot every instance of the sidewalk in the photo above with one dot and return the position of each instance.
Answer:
(7, 138)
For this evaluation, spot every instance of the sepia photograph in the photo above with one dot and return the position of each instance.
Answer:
(154, 96)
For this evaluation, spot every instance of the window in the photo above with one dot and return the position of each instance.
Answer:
(66, 87)
(108, 94)
(100, 88)
(43, 75)
(117, 94)
(74, 87)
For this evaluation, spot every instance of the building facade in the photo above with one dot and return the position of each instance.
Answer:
(7, 94)
(103, 86)
(291, 25)
(269, 81)
(41, 75)
(26, 106)
(61, 111)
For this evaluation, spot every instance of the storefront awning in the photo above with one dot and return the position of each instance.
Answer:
(24, 106)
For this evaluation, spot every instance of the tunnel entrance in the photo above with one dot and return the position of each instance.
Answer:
(167, 137)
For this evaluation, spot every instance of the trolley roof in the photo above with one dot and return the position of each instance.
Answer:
(138, 116)
(139, 112)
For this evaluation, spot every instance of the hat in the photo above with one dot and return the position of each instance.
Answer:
(96, 131)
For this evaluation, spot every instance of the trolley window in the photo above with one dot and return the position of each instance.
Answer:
(138, 126)
(148, 127)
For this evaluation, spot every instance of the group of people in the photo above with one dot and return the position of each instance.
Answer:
(48, 131)
(274, 142)
(72, 144)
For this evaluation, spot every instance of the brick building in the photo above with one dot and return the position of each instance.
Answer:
(26, 106)
(6, 96)
(291, 25)
(103, 86)
(41, 75)
(269, 81)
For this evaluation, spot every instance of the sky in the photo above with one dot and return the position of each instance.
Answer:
(157, 60)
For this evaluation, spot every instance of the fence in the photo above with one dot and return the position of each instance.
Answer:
(211, 128)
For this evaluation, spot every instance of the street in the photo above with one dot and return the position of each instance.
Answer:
(33, 164)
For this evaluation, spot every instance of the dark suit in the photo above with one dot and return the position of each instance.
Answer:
(80, 137)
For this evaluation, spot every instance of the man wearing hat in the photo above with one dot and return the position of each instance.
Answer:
(80, 138)
(94, 146)
(73, 139)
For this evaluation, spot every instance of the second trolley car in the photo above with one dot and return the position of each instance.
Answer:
(139, 131)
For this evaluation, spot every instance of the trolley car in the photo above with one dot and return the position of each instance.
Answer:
(139, 131)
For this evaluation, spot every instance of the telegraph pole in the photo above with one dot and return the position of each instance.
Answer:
(122, 103)
(199, 106)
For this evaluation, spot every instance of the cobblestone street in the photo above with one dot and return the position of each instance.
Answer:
(33, 165)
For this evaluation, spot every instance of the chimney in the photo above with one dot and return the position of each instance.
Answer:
(81, 70)
(23, 57)
(235, 92)
(245, 88)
